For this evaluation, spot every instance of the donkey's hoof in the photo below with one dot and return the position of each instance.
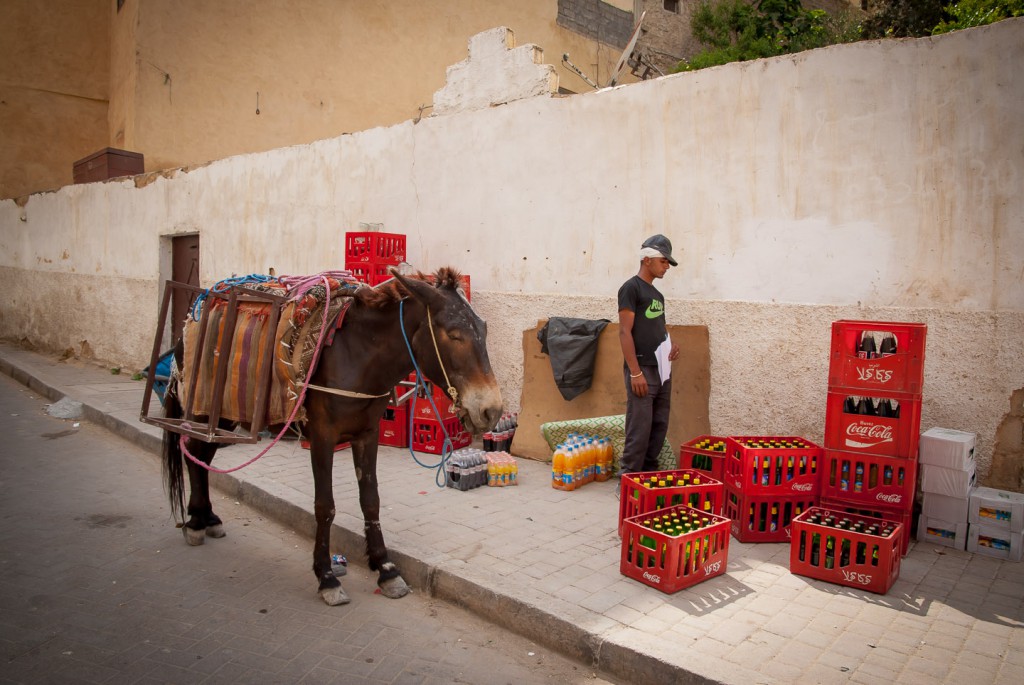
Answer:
(333, 596)
(393, 588)
(215, 531)
(193, 537)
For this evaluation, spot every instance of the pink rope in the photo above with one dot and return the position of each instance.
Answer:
(297, 287)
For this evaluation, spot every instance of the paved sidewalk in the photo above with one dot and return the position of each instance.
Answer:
(545, 564)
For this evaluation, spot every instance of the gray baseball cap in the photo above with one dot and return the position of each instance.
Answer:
(662, 245)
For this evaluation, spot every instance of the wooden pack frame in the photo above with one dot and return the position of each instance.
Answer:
(209, 430)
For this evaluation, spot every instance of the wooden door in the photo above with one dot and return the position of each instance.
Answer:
(184, 269)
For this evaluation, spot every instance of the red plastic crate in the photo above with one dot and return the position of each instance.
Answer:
(890, 437)
(394, 427)
(868, 479)
(858, 560)
(699, 455)
(422, 407)
(678, 562)
(374, 247)
(763, 517)
(901, 515)
(772, 470)
(428, 435)
(899, 372)
(370, 273)
(637, 498)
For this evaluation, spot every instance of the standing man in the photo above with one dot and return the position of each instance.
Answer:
(647, 352)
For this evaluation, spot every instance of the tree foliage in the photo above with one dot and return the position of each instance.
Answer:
(969, 13)
(740, 30)
(736, 31)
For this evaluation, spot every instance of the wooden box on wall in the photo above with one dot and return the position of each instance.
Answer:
(108, 163)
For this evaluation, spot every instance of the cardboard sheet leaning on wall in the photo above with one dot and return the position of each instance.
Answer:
(542, 403)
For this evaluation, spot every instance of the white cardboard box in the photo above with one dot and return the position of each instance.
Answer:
(995, 542)
(952, 509)
(939, 532)
(948, 482)
(948, 448)
(997, 508)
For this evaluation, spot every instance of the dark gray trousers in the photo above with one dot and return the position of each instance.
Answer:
(646, 422)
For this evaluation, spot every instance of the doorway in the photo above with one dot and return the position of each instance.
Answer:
(184, 269)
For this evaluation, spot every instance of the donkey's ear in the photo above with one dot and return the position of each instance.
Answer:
(421, 290)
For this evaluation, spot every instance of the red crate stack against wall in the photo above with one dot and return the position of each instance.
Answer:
(769, 480)
(873, 419)
(369, 254)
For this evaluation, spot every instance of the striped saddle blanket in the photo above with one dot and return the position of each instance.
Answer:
(295, 340)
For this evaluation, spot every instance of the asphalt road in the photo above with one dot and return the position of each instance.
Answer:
(98, 586)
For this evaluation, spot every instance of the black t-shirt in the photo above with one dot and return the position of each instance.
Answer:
(648, 307)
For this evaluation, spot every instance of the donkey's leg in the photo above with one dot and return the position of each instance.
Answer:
(202, 521)
(389, 578)
(321, 453)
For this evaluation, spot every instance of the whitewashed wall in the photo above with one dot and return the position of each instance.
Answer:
(878, 180)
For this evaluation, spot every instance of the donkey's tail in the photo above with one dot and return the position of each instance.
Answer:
(174, 475)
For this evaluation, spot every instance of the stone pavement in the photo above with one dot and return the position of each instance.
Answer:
(545, 564)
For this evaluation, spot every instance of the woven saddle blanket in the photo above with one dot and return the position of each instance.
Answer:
(295, 340)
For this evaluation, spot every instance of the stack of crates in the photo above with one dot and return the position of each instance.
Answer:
(369, 255)
(769, 481)
(873, 420)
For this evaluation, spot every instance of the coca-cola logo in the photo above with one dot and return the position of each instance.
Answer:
(894, 498)
(864, 435)
(853, 577)
(738, 485)
(651, 577)
(789, 532)
(803, 487)
(712, 568)
(873, 373)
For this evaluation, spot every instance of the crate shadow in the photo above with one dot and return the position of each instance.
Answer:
(710, 595)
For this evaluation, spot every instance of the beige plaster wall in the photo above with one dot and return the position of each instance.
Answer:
(53, 87)
(321, 68)
(182, 77)
(849, 182)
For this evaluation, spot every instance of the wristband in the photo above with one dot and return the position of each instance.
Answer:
(636, 375)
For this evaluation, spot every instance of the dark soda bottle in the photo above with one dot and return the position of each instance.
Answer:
(867, 349)
(887, 346)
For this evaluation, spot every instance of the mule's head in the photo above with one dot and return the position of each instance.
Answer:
(457, 350)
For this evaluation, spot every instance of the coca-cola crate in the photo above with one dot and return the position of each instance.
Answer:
(374, 248)
(671, 563)
(772, 465)
(846, 557)
(421, 403)
(902, 515)
(394, 427)
(758, 517)
(873, 434)
(706, 454)
(637, 496)
(370, 273)
(901, 371)
(869, 479)
(428, 435)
